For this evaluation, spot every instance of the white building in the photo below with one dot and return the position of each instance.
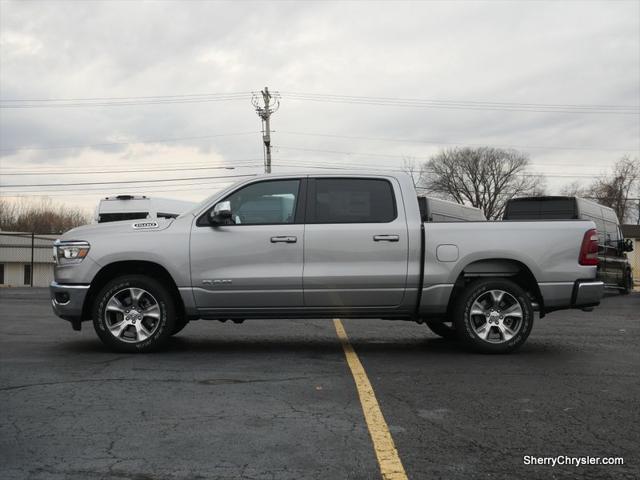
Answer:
(26, 259)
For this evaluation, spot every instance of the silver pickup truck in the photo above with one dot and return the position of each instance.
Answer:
(348, 245)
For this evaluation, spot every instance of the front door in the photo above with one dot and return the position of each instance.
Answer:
(356, 243)
(256, 259)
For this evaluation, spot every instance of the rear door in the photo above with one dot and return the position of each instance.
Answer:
(356, 244)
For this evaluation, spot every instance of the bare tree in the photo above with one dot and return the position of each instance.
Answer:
(44, 216)
(484, 177)
(415, 171)
(614, 190)
(574, 189)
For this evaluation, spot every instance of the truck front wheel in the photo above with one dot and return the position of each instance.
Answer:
(134, 313)
(493, 315)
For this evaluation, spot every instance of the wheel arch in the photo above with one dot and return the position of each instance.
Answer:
(131, 267)
(509, 268)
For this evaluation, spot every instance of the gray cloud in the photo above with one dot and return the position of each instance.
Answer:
(526, 52)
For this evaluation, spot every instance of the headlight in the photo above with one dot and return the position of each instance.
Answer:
(66, 253)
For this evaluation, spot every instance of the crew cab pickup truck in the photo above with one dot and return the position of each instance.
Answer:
(348, 245)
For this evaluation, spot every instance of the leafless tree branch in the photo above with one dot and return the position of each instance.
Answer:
(482, 177)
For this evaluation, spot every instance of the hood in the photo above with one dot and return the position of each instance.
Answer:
(133, 227)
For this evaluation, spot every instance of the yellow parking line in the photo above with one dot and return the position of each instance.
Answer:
(388, 459)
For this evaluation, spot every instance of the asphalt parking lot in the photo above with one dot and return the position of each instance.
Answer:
(277, 400)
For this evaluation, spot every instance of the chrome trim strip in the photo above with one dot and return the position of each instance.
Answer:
(414, 289)
(289, 290)
(437, 286)
(590, 283)
(63, 285)
(71, 243)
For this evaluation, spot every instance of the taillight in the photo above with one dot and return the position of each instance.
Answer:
(589, 248)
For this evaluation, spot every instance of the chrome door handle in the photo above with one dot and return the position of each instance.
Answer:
(386, 238)
(284, 239)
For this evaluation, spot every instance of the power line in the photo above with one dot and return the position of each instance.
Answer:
(314, 134)
(167, 164)
(123, 101)
(112, 144)
(121, 169)
(102, 191)
(116, 104)
(342, 152)
(156, 180)
(438, 142)
(329, 166)
(423, 100)
(382, 155)
(465, 104)
(181, 169)
(124, 98)
(326, 98)
(189, 187)
(321, 95)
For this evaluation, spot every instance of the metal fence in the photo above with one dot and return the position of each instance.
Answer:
(26, 259)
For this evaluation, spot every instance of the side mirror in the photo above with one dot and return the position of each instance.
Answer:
(220, 213)
(627, 245)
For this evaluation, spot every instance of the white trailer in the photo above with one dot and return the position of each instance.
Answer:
(134, 207)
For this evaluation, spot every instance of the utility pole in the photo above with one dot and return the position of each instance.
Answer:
(264, 112)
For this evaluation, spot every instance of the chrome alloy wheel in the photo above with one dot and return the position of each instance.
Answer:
(496, 316)
(132, 315)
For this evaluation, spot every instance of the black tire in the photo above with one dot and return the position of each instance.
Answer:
(179, 326)
(442, 329)
(506, 326)
(628, 283)
(140, 313)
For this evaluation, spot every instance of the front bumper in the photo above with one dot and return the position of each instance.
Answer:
(587, 293)
(68, 300)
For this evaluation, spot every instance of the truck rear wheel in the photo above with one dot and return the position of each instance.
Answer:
(134, 313)
(442, 329)
(493, 316)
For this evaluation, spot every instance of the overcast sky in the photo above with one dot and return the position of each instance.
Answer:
(575, 54)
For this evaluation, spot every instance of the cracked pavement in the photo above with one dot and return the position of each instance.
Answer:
(275, 399)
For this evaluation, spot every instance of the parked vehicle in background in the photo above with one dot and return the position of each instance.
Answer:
(614, 268)
(438, 210)
(631, 233)
(322, 246)
(137, 207)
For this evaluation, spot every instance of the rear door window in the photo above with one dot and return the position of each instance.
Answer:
(352, 200)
